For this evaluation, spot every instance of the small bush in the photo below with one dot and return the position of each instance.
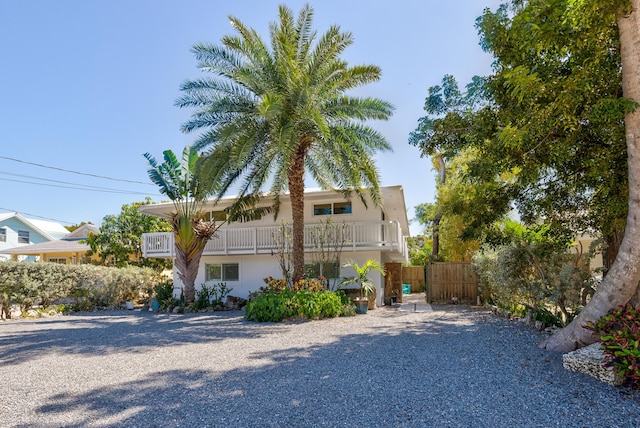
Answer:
(163, 293)
(267, 307)
(211, 296)
(619, 332)
(275, 307)
(348, 310)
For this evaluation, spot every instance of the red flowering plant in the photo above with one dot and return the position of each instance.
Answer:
(619, 332)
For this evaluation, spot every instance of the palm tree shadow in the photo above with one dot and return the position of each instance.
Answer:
(358, 378)
(113, 332)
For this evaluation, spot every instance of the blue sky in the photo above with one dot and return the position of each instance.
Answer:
(89, 86)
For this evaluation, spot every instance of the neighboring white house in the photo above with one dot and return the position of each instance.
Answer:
(242, 254)
(17, 231)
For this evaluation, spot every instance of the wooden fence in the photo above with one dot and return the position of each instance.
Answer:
(414, 275)
(448, 280)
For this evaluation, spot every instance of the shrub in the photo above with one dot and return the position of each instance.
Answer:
(312, 284)
(540, 275)
(619, 333)
(28, 284)
(348, 310)
(267, 307)
(211, 296)
(274, 307)
(163, 293)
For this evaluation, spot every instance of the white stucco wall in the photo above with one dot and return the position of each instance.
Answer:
(253, 268)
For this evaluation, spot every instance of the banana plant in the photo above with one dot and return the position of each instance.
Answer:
(180, 181)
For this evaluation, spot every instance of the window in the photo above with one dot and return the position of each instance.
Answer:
(222, 272)
(3, 234)
(334, 208)
(59, 260)
(342, 208)
(218, 216)
(23, 236)
(322, 209)
(329, 270)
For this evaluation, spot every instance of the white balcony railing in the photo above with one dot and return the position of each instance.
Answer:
(361, 236)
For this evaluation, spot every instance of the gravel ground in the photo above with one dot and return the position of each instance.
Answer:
(453, 367)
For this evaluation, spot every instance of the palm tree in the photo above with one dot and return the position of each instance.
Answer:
(273, 112)
(177, 180)
(361, 278)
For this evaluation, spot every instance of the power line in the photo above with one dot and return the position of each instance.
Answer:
(84, 186)
(37, 216)
(75, 172)
(76, 188)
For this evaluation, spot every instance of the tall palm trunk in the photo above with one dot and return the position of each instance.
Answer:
(296, 192)
(621, 282)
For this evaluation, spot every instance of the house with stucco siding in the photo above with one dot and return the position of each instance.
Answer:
(242, 254)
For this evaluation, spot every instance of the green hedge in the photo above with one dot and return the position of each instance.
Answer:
(275, 307)
(84, 286)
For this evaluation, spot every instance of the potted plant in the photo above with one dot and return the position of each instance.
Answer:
(394, 296)
(361, 279)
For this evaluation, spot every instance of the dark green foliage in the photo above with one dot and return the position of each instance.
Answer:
(548, 318)
(619, 332)
(28, 284)
(344, 299)
(274, 307)
(119, 242)
(163, 293)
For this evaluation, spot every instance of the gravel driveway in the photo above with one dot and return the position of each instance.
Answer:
(453, 367)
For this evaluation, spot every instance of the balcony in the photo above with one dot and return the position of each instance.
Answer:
(362, 236)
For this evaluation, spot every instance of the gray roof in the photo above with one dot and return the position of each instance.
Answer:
(60, 246)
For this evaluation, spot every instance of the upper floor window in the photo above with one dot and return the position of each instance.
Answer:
(218, 216)
(3, 234)
(23, 236)
(332, 208)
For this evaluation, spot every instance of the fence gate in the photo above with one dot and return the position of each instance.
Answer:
(448, 280)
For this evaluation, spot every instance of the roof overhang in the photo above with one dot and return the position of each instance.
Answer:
(392, 202)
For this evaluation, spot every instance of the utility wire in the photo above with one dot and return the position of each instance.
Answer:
(75, 172)
(84, 186)
(34, 215)
(76, 188)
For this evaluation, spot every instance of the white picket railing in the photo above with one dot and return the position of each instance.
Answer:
(360, 236)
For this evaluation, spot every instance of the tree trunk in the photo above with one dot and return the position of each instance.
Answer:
(621, 282)
(442, 173)
(296, 192)
(611, 249)
(187, 269)
(191, 236)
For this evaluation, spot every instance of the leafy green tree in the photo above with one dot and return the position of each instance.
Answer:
(560, 130)
(119, 242)
(277, 111)
(551, 135)
(454, 132)
(621, 283)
